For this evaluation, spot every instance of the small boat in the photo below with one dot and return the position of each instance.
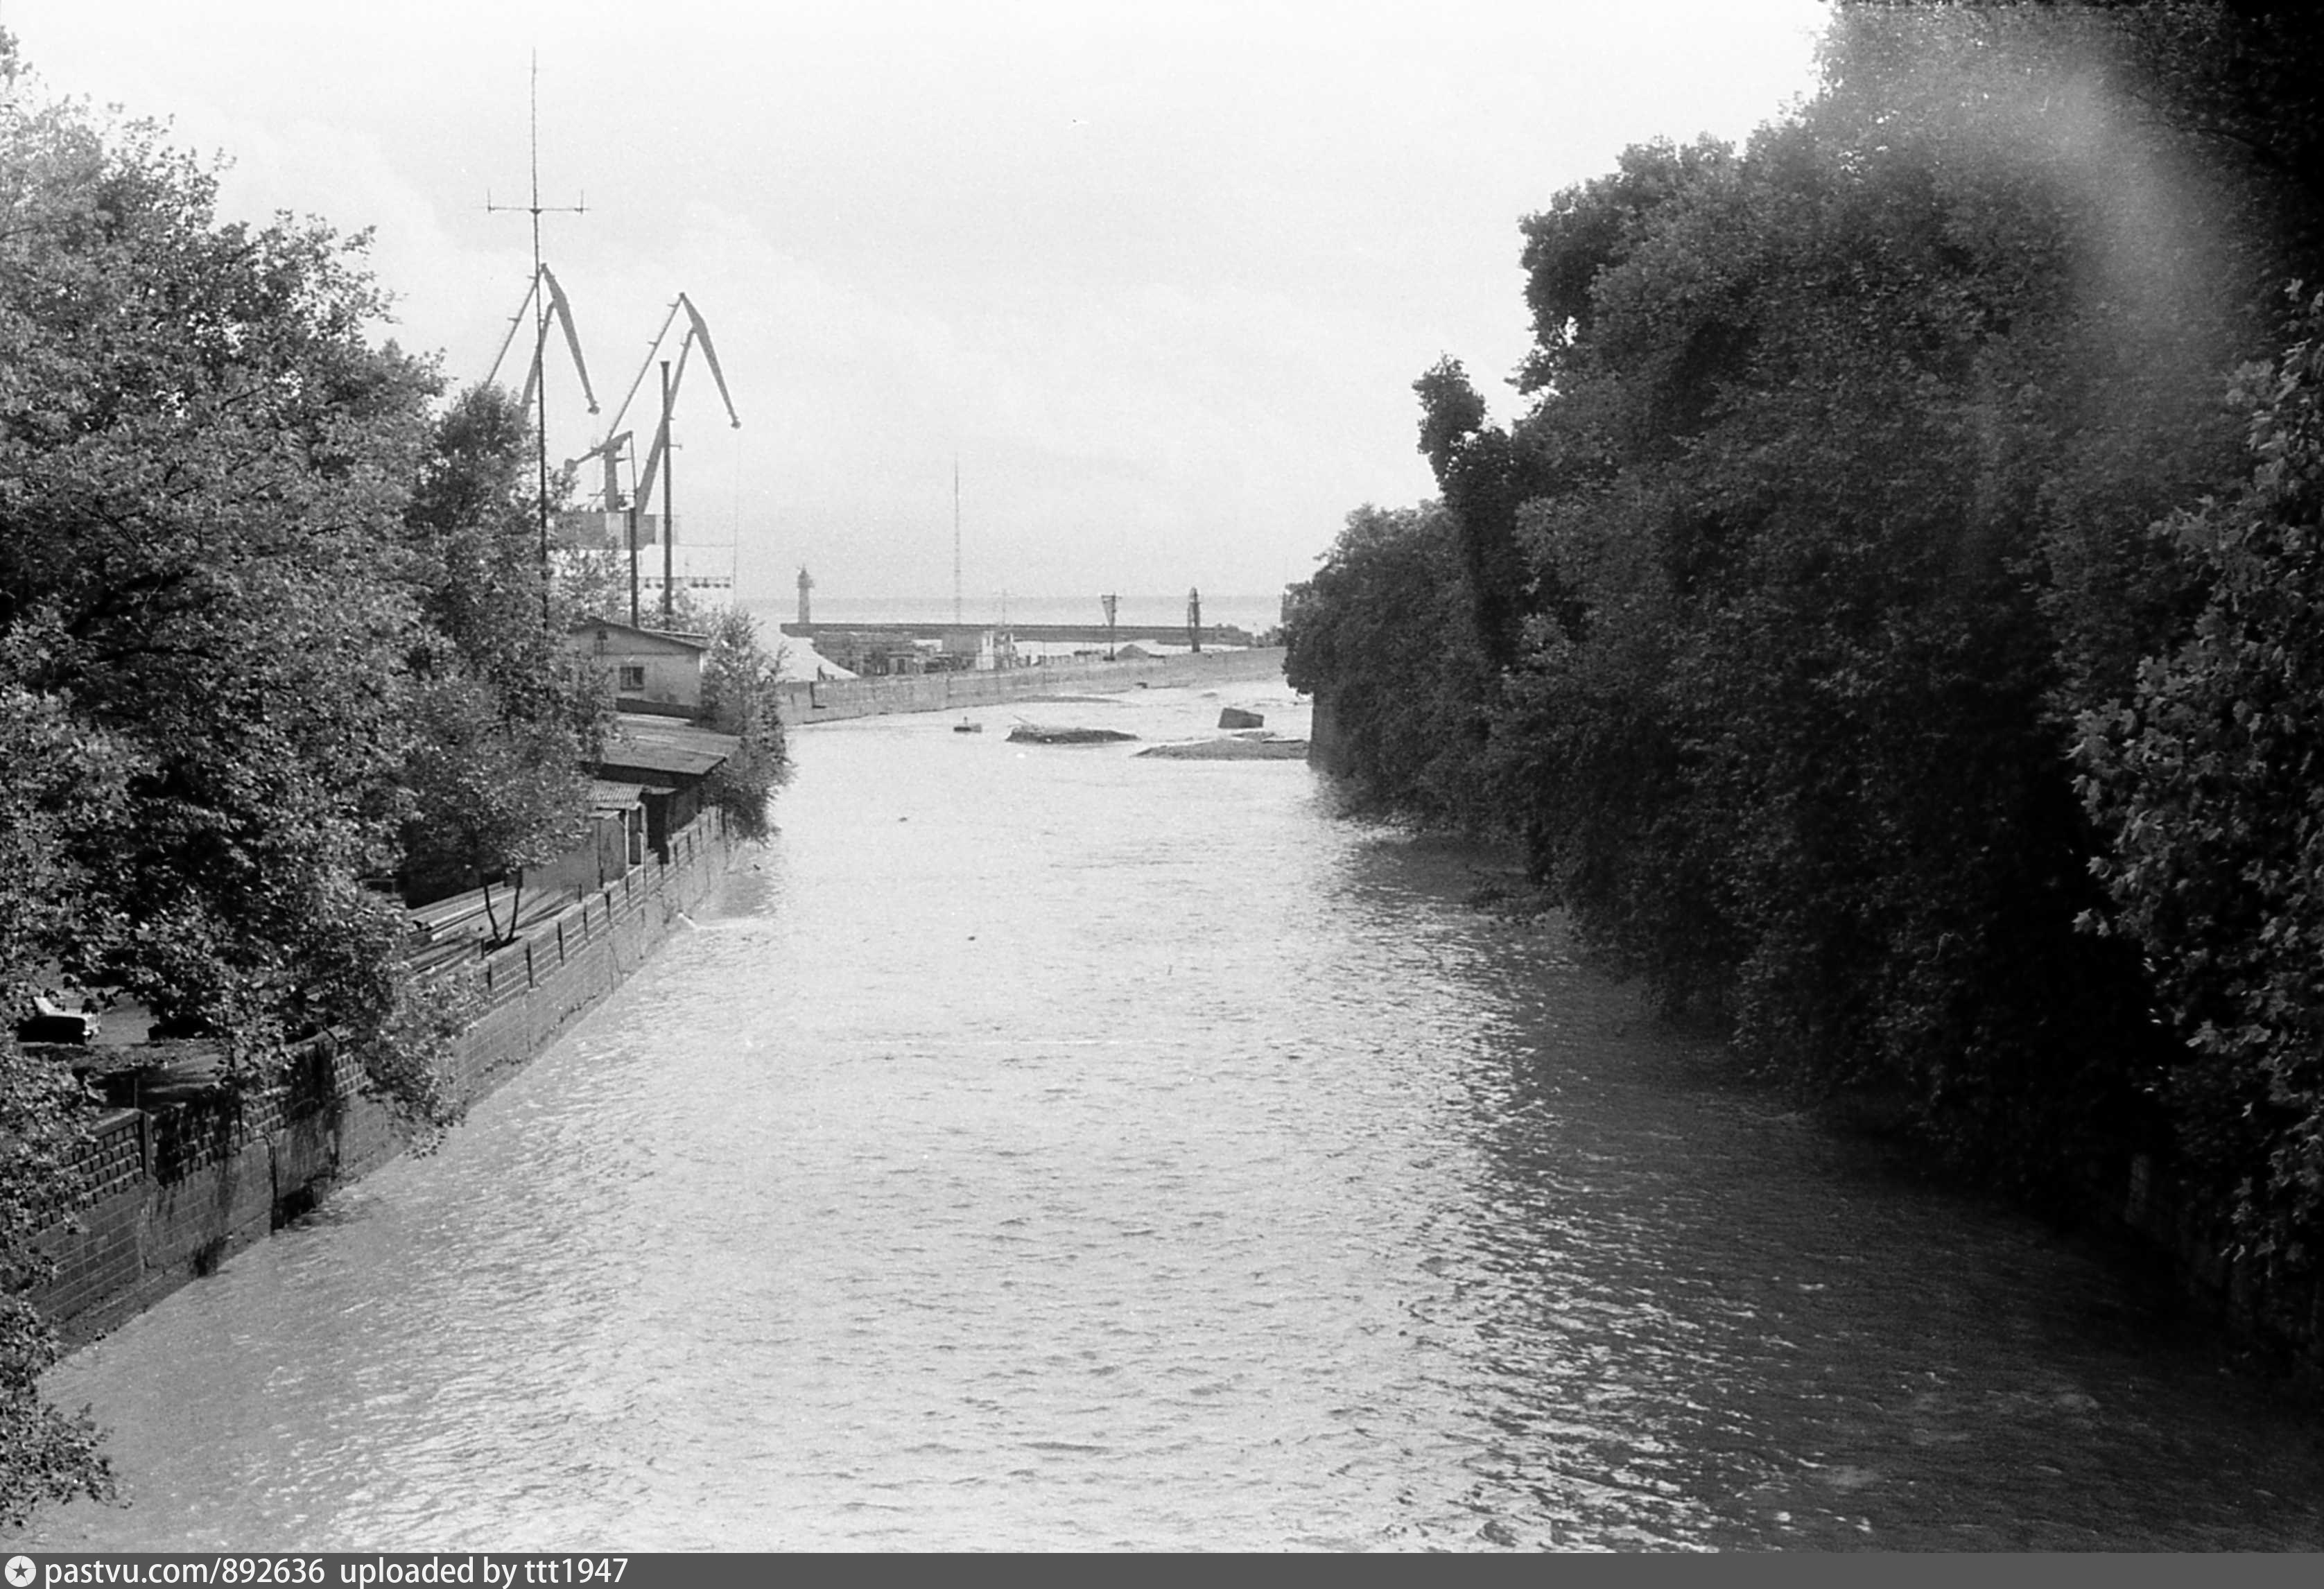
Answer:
(965, 726)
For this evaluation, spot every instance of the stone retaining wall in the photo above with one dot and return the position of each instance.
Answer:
(160, 1194)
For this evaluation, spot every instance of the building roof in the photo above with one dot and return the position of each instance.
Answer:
(586, 627)
(664, 744)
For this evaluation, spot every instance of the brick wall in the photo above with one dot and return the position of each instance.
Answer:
(159, 1196)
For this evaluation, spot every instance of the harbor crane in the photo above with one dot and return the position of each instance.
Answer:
(610, 452)
(697, 330)
(657, 463)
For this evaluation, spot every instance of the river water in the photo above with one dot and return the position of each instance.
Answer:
(1049, 1147)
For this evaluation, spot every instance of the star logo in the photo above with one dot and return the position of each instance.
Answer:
(21, 1571)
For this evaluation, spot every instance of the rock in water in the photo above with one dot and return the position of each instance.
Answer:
(1033, 733)
(1236, 718)
(1232, 750)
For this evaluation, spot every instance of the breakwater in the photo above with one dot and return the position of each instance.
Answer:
(162, 1193)
(829, 700)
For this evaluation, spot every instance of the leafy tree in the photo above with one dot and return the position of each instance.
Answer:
(1479, 478)
(202, 465)
(503, 710)
(2206, 781)
(741, 690)
(1384, 633)
(1856, 432)
(491, 796)
(1825, 521)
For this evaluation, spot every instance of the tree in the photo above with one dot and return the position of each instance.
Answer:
(1823, 522)
(503, 710)
(2206, 781)
(491, 796)
(1479, 478)
(1384, 634)
(203, 462)
(476, 575)
(741, 695)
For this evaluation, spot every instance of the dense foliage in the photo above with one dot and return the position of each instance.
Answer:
(1822, 549)
(1387, 623)
(740, 692)
(2210, 779)
(503, 711)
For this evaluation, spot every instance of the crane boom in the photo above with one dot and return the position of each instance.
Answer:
(559, 310)
(697, 329)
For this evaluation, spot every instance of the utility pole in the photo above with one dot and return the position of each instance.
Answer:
(541, 324)
(631, 516)
(669, 512)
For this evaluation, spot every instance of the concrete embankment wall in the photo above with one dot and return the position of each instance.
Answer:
(160, 1194)
(830, 700)
(1324, 747)
(2281, 1316)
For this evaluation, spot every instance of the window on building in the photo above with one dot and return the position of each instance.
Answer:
(633, 677)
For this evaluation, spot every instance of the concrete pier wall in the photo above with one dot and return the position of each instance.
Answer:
(161, 1195)
(831, 700)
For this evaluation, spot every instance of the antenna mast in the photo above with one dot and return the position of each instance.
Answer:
(541, 323)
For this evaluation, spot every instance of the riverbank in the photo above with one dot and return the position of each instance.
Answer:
(2129, 1202)
(162, 1193)
(830, 700)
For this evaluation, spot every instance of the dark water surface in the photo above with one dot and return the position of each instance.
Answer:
(1047, 1147)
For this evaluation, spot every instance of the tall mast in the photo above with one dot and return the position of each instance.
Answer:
(539, 323)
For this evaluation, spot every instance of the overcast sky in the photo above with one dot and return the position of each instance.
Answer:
(1160, 276)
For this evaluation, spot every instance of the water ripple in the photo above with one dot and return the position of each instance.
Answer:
(1051, 1149)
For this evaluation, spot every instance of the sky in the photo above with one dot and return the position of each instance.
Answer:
(1159, 277)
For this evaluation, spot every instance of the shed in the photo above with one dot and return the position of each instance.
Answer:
(667, 762)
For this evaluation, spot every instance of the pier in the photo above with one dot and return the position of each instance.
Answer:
(1223, 635)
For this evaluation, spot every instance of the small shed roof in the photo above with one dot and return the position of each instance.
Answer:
(665, 745)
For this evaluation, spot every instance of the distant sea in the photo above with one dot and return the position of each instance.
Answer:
(1256, 614)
